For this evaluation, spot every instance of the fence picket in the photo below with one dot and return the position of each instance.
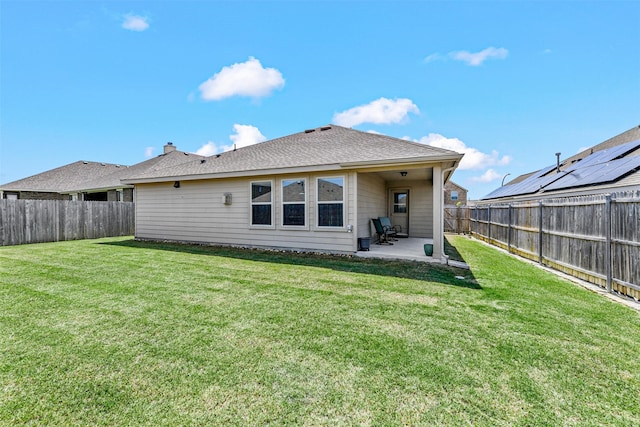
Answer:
(595, 238)
(34, 221)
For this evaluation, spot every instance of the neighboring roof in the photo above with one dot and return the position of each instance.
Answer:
(611, 164)
(113, 180)
(82, 176)
(327, 147)
(61, 178)
(453, 184)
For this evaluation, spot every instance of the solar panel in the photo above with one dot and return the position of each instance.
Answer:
(597, 174)
(526, 186)
(597, 168)
(608, 154)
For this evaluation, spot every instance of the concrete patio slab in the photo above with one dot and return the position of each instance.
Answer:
(409, 249)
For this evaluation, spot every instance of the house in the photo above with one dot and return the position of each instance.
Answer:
(454, 194)
(611, 166)
(51, 184)
(83, 180)
(313, 190)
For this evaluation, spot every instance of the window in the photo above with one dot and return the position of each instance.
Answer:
(400, 202)
(330, 202)
(454, 195)
(261, 203)
(293, 202)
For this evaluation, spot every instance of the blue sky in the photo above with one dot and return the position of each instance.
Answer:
(508, 83)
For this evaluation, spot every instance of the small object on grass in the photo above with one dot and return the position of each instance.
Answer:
(460, 277)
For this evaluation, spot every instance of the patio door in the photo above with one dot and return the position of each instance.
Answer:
(399, 209)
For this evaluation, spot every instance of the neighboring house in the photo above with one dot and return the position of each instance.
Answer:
(454, 194)
(52, 184)
(95, 181)
(313, 190)
(611, 166)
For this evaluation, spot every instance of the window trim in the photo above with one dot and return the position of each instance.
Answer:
(305, 203)
(343, 202)
(271, 203)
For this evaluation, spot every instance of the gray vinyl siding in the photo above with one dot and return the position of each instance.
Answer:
(421, 210)
(372, 202)
(195, 212)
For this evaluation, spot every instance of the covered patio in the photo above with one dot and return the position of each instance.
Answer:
(409, 249)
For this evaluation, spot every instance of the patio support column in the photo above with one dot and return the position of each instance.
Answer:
(438, 218)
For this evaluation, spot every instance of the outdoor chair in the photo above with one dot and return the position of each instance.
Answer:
(393, 230)
(383, 236)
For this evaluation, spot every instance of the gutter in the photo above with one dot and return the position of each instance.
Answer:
(417, 161)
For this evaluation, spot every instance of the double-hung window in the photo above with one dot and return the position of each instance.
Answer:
(261, 203)
(330, 196)
(294, 202)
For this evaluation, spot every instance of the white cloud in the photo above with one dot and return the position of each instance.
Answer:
(242, 79)
(148, 152)
(488, 176)
(208, 149)
(475, 59)
(135, 22)
(380, 111)
(433, 57)
(473, 158)
(245, 136)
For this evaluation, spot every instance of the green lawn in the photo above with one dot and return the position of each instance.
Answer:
(118, 332)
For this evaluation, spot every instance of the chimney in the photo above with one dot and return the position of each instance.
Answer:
(169, 147)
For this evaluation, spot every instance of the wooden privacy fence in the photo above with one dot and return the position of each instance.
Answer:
(456, 219)
(37, 221)
(595, 238)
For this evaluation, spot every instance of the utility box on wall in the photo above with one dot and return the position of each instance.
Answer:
(226, 199)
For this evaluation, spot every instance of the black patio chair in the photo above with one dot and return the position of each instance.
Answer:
(383, 236)
(394, 231)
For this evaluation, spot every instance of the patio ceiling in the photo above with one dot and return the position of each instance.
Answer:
(412, 174)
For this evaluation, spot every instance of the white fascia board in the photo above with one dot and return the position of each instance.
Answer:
(425, 161)
(387, 163)
(235, 174)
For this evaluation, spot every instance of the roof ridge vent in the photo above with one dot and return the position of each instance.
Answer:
(309, 130)
(325, 128)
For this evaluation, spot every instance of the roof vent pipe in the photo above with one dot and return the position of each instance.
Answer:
(169, 147)
(558, 162)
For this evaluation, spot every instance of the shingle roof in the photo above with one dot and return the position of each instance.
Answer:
(329, 146)
(113, 180)
(85, 176)
(59, 179)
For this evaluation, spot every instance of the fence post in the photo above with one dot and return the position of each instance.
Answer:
(607, 249)
(489, 223)
(540, 232)
(509, 231)
(476, 211)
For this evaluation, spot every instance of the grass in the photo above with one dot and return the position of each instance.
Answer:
(118, 332)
